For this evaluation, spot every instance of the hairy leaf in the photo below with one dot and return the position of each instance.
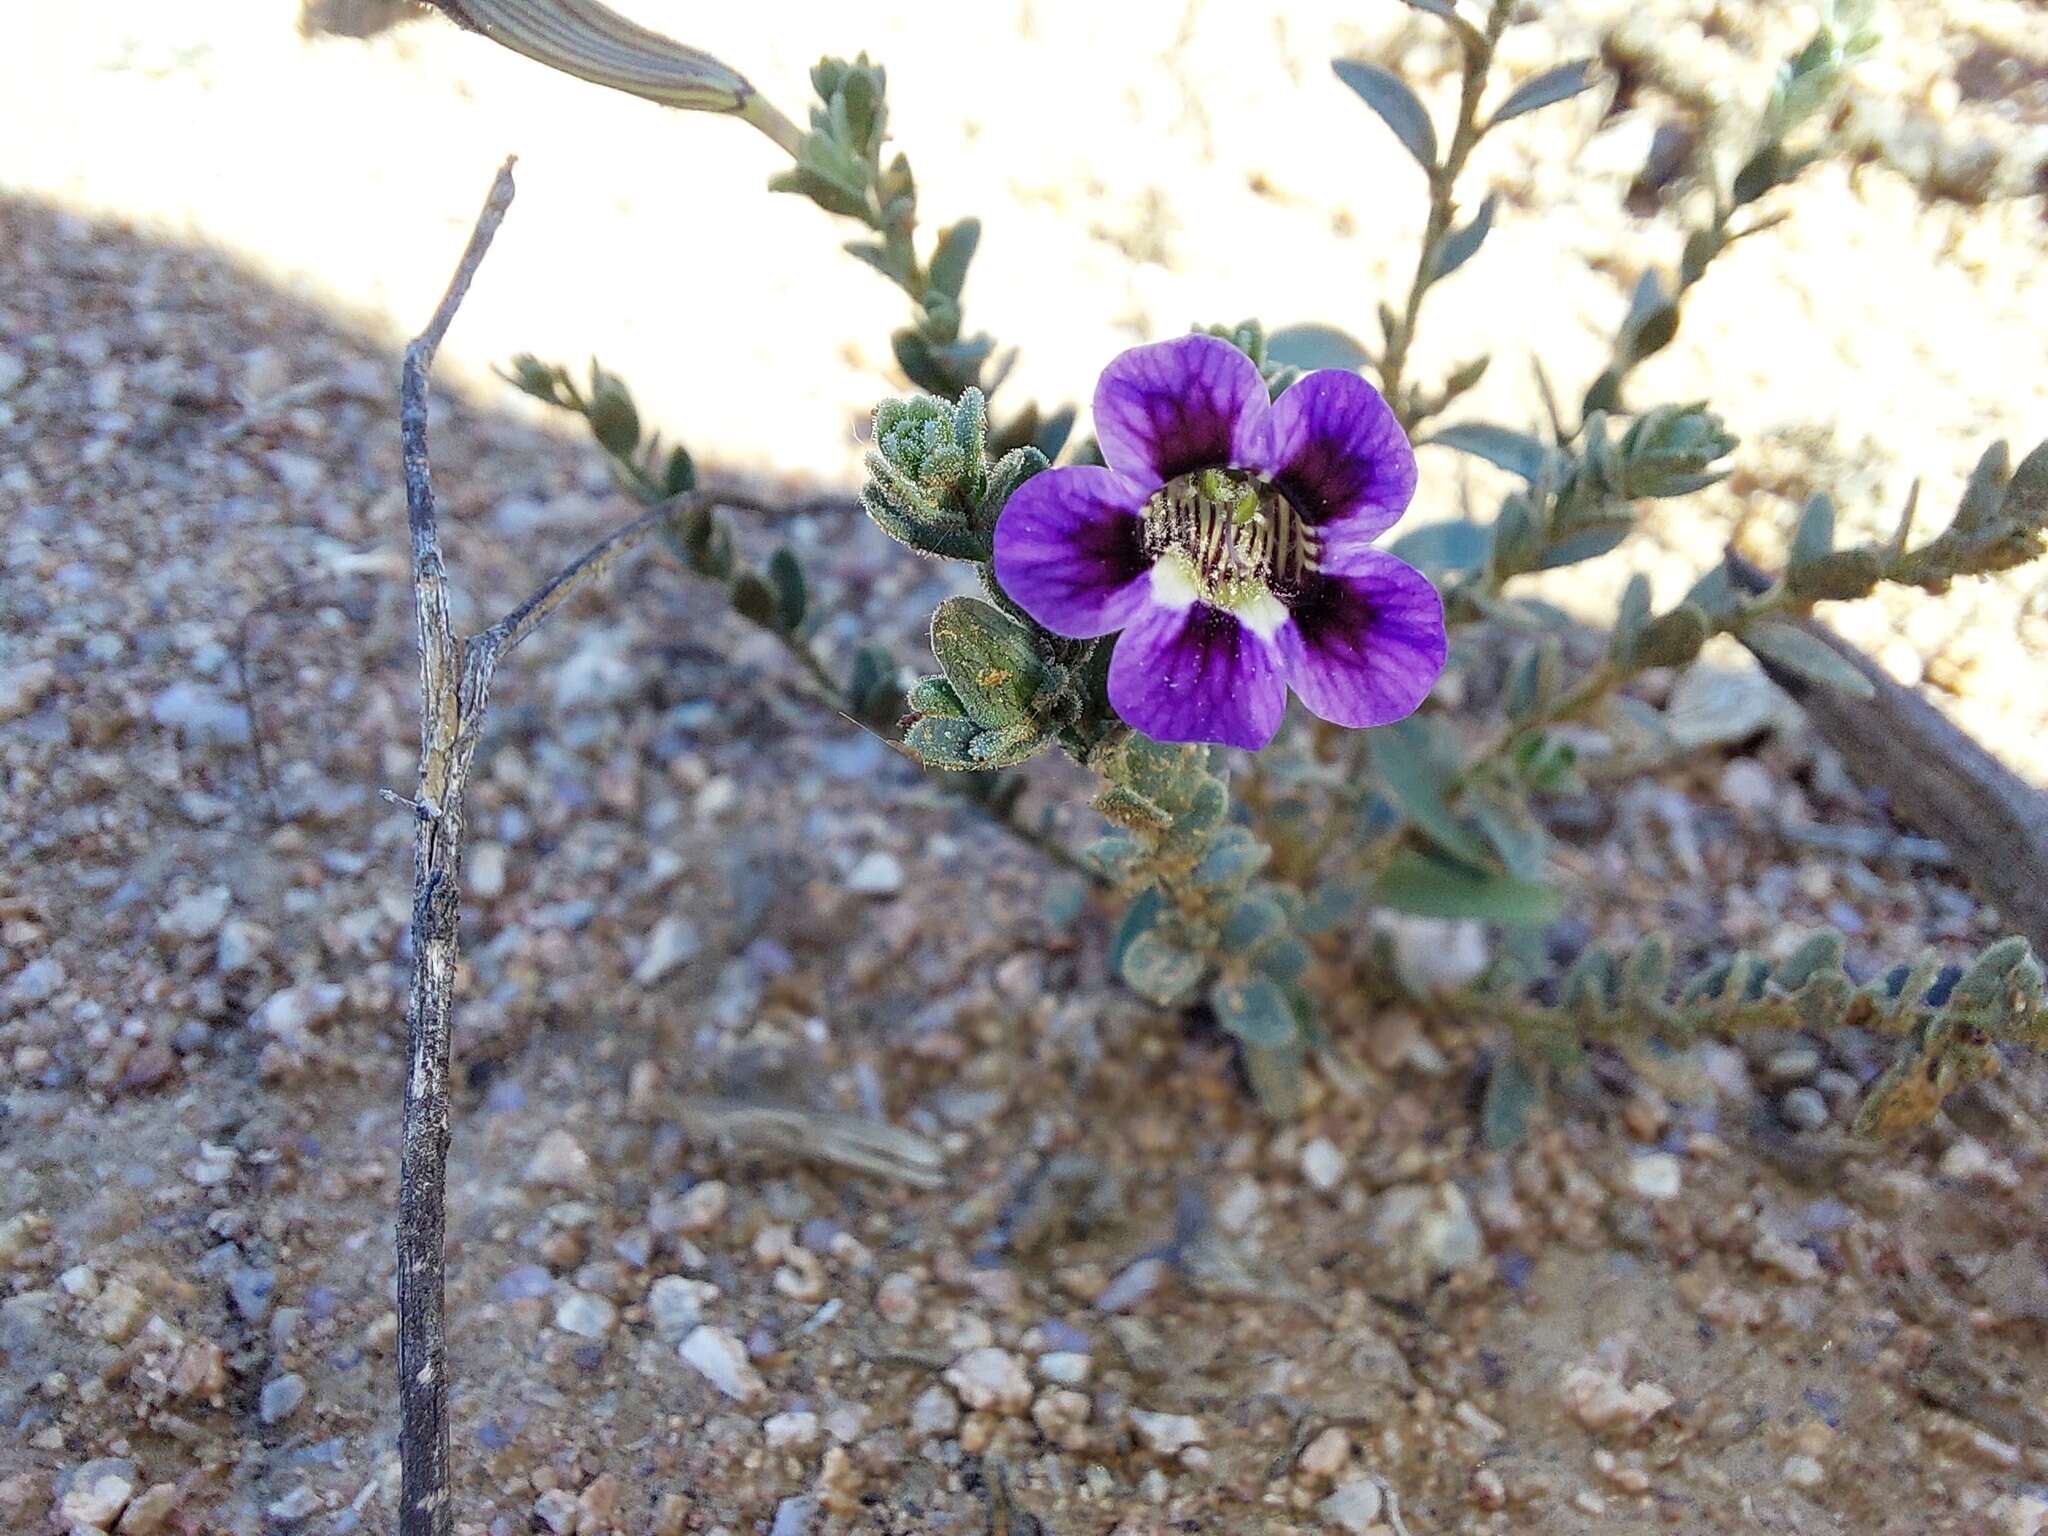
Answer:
(1397, 106)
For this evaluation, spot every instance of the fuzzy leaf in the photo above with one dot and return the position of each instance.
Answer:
(1513, 1090)
(1553, 85)
(1398, 106)
(1406, 773)
(1452, 546)
(988, 658)
(1139, 918)
(1256, 1011)
(1463, 243)
(1430, 887)
(1814, 538)
(786, 576)
(1798, 651)
(1161, 972)
(1516, 452)
(1589, 543)
(948, 270)
(1309, 347)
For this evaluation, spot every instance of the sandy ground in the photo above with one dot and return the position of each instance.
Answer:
(1150, 1309)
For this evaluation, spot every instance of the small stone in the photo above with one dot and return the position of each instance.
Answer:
(1132, 1285)
(702, 1208)
(196, 917)
(791, 1431)
(1777, 1252)
(1322, 1164)
(673, 944)
(294, 1506)
(1354, 1507)
(281, 1398)
(250, 1290)
(289, 1014)
(722, 1360)
(1803, 1472)
(97, 1497)
(795, 1517)
(1067, 1367)
(675, 1305)
(877, 874)
(598, 1504)
(150, 1512)
(2019, 1514)
(936, 1412)
(1167, 1434)
(1794, 1064)
(1599, 1400)
(242, 945)
(1062, 1417)
(12, 371)
(1746, 785)
(1426, 1228)
(1803, 1109)
(671, 1516)
(1432, 954)
(556, 1509)
(36, 982)
(201, 1371)
(1325, 1456)
(559, 1162)
(1656, 1176)
(484, 868)
(896, 1298)
(22, 688)
(990, 1380)
(201, 716)
(586, 1315)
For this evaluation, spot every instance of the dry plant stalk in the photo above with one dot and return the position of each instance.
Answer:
(455, 684)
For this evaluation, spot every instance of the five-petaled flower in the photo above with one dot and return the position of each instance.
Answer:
(1230, 540)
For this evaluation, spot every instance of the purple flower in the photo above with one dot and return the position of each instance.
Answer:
(1231, 541)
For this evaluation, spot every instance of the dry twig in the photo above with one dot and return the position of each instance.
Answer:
(455, 683)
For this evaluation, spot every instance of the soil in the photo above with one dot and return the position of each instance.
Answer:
(1131, 1304)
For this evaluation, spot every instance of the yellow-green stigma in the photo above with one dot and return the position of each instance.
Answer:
(1236, 539)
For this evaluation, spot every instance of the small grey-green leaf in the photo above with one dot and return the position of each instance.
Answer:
(1462, 243)
(948, 270)
(1140, 916)
(1310, 347)
(1516, 452)
(1429, 887)
(1553, 85)
(1453, 546)
(1407, 775)
(1984, 495)
(1587, 544)
(1512, 1093)
(1160, 972)
(1397, 106)
(988, 658)
(786, 576)
(1256, 1011)
(1632, 617)
(1814, 538)
(1812, 658)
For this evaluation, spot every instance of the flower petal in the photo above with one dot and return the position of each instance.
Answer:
(1367, 639)
(1175, 406)
(1196, 673)
(1334, 446)
(1070, 550)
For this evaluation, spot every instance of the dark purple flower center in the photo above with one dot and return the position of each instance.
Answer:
(1232, 535)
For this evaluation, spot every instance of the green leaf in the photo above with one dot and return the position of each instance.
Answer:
(1553, 85)
(989, 659)
(1516, 452)
(1513, 1091)
(786, 576)
(1139, 917)
(939, 741)
(1652, 318)
(1814, 538)
(1517, 836)
(1452, 546)
(1634, 614)
(1461, 244)
(1309, 347)
(1397, 106)
(1161, 972)
(1410, 779)
(1797, 650)
(1234, 856)
(1984, 494)
(1588, 543)
(1432, 887)
(680, 476)
(955, 249)
(1255, 1011)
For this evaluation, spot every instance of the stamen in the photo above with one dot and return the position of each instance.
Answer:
(1239, 539)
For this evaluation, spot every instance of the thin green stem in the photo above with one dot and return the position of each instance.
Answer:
(1443, 207)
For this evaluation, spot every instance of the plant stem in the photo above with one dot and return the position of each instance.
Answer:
(1443, 206)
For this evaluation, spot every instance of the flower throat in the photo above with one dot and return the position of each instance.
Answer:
(1236, 536)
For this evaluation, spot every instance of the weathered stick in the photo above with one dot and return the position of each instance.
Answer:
(1941, 782)
(455, 686)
